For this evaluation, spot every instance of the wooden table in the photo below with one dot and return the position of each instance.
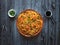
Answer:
(8, 31)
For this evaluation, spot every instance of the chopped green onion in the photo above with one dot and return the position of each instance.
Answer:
(12, 13)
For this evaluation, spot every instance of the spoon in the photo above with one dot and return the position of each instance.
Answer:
(48, 15)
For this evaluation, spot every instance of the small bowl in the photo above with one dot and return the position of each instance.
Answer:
(48, 13)
(11, 13)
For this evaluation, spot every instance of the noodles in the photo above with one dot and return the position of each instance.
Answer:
(29, 22)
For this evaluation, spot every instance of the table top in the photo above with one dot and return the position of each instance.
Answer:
(9, 34)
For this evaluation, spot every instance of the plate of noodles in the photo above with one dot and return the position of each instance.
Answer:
(29, 23)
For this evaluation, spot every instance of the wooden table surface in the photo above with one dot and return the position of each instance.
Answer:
(8, 31)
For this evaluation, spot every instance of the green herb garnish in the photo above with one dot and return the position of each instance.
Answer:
(12, 13)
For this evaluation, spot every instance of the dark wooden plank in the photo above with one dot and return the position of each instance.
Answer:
(37, 5)
(58, 43)
(16, 38)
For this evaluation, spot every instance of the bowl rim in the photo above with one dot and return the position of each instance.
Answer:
(10, 14)
(49, 11)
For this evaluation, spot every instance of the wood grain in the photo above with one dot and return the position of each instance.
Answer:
(49, 33)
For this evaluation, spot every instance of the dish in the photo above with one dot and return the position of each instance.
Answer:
(48, 13)
(29, 23)
(11, 13)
